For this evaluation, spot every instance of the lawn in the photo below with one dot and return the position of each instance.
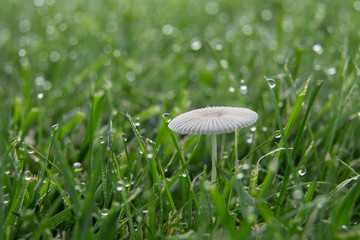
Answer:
(88, 89)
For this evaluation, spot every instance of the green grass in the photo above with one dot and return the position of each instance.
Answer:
(87, 90)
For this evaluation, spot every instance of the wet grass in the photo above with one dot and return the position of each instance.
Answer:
(87, 91)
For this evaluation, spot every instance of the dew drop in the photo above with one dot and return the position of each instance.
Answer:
(271, 82)
(355, 222)
(137, 122)
(264, 129)
(218, 47)
(145, 211)
(77, 167)
(139, 219)
(224, 63)
(141, 152)
(119, 188)
(40, 96)
(231, 89)
(249, 138)
(302, 171)
(277, 134)
(101, 140)
(243, 89)
(167, 29)
(318, 49)
(240, 176)
(166, 117)
(195, 45)
(253, 129)
(245, 166)
(183, 175)
(344, 228)
(77, 187)
(149, 155)
(124, 137)
(55, 127)
(27, 175)
(30, 151)
(331, 71)
(104, 212)
(6, 199)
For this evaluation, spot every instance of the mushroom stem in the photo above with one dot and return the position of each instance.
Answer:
(213, 158)
(236, 165)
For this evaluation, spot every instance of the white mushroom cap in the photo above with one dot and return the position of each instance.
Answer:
(213, 120)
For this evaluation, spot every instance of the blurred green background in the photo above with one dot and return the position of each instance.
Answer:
(146, 53)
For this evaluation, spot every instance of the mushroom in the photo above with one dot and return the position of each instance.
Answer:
(212, 121)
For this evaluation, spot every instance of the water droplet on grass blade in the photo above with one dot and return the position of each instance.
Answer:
(27, 175)
(30, 151)
(104, 212)
(331, 71)
(124, 137)
(6, 199)
(240, 176)
(195, 45)
(137, 122)
(55, 127)
(101, 140)
(302, 171)
(277, 134)
(166, 117)
(40, 96)
(77, 167)
(249, 138)
(344, 228)
(271, 82)
(318, 49)
(243, 89)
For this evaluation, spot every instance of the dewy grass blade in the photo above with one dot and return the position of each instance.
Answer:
(305, 118)
(15, 207)
(96, 109)
(290, 165)
(87, 206)
(307, 199)
(183, 167)
(67, 176)
(285, 133)
(143, 149)
(344, 209)
(108, 228)
(171, 133)
(222, 210)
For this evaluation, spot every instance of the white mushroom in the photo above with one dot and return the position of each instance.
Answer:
(214, 120)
